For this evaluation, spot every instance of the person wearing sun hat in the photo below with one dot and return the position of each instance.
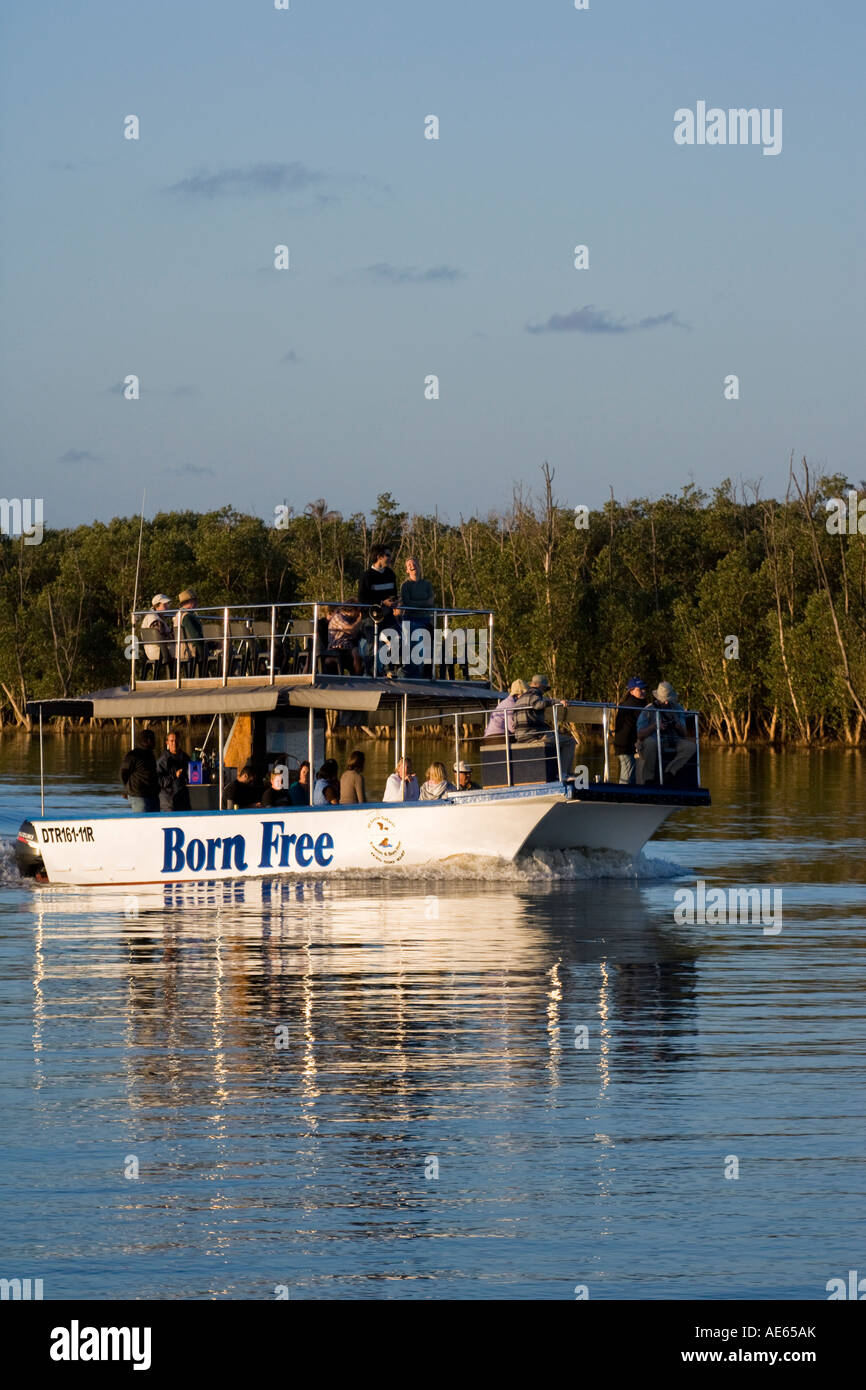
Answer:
(672, 726)
(529, 720)
(625, 735)
(156, 632)
(464, 777)
(193, 648)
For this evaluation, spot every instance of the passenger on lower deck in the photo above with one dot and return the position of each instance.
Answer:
(464, 778)
(352, 788)
(245, 790)
(529, 720)
(437, 784)
(299, 791)
(505, 711)
(670, 730)
(276, 794)
(326, 791)
(402, 785)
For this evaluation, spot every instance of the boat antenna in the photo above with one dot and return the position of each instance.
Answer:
(138, 560)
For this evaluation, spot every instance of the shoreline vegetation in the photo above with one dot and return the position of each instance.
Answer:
(752, 607)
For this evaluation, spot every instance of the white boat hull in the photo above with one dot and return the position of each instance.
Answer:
(191, 846)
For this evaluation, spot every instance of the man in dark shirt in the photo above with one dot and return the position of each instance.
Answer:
(378, 586)
(245, 790)
(139, 776)
(173, 772)
(625, 736)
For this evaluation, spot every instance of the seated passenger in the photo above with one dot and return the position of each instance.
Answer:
(402, 785)
(326, 792)
(245, 790)
(276, 794)
(156, 632)
(505, 710)
(193, 647)
(464, 778)
(529, 720)
(437, 784)
(344, 634)
(299, 791)
(671, 730)
(352, 789)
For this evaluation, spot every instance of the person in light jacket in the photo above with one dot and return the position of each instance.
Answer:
(402, 785)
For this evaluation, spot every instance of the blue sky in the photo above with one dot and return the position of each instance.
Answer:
(412, 257)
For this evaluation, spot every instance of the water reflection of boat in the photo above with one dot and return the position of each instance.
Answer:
(531, 796)
(314, 982)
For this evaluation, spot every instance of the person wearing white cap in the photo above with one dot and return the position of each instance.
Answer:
(464, 777)
(158, 645)
(672, 728)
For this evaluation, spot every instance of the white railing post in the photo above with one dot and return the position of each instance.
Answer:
(457, 750)
(179, 619)
(605, 723)
(133, 646)
(697, 750)
(273, 643)
(507, 752)
(556, 737)
(225, 646)
(314, 655)
(490, 649)
(659, 748)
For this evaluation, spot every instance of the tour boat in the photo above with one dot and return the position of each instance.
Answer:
(278, 683)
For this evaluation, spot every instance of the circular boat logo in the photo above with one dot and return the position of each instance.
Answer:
(384, 844)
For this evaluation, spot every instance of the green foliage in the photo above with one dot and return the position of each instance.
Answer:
(656, 587)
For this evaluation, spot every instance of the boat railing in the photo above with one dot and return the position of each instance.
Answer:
(591, 712)
(285, 639)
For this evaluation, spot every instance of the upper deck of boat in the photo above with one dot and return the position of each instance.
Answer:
(248, 694)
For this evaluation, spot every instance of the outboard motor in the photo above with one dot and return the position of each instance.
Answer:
(27, 855)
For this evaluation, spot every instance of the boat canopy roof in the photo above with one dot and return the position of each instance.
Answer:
(206, 697)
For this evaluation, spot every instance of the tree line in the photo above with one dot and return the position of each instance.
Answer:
(749, 605)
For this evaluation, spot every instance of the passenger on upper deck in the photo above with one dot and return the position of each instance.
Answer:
(156, 631)
(344, 632)
(139, 776)
(193, 647)
(245, 790)
(416, 604)
(276, 794)
(672, 732)
(505, 710)
(378, 586)
(352, 788)
(529, 720)
(402, 785)
(326, 792)
(379, 582)
(437, 784)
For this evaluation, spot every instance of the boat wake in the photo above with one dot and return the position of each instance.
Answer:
(9, 875)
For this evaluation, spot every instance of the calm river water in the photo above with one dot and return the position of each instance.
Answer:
(371, 1088)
